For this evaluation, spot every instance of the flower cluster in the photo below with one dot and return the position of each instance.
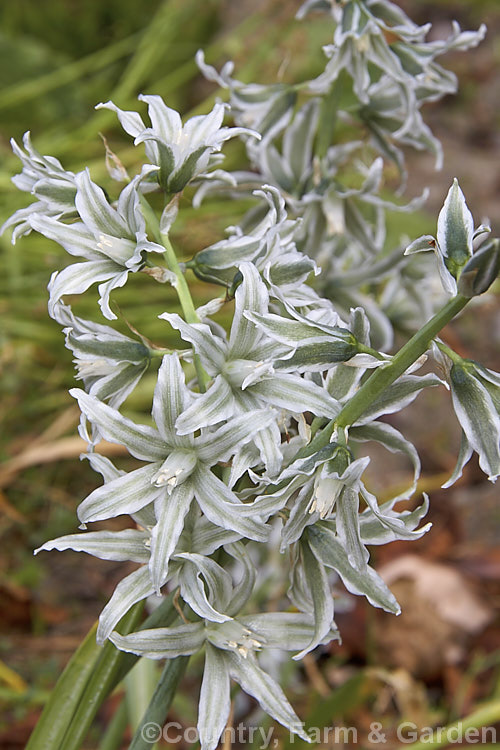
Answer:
(264, 443)
(326, 154)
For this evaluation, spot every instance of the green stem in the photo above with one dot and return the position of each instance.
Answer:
(188, 309)
(407, 355)
(483, 717)
(154, 353)
(362, 349)
(151, 219)
(182, 289)
(157, 711)
(380, 380)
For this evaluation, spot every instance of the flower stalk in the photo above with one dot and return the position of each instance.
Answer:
(187, 305)
(404, 359)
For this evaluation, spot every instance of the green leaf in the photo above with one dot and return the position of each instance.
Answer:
(97, 687)
(157, 710)
(64, 699)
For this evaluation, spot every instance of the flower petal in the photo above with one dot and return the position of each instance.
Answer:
(95, 210)
(78, 277)
(129, 544)
(205, 586)
(265, 690)
(330, 552)
(142, 441)
(212, 352)
(215, 701)
(241, 593)
(171, 398)
(221, 444)
(252, 296)
(123, 495)
(171, 511)
(322, 600)
(398, 395)
(394, 441)
(214, 406)
(74, 238)
(222, 507)
(478, 416)
(162, 643)
(455, 227)
(296, 395)
(132, 589)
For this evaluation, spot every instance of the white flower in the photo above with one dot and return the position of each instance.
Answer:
(180, 152)
(454, 242)
(112, 240)
(178, 468)
(47, 180)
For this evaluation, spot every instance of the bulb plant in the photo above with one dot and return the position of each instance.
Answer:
(254, 441)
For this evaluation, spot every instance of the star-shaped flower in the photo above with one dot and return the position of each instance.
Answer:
(231, 643)
(47, 180)
(179, 152)
(112, 240)
(178, 468)
(243, 374)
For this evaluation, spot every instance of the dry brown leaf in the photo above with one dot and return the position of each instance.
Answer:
(443, 587)
(57, 450)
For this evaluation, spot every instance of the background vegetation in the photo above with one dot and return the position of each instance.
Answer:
(57, 60)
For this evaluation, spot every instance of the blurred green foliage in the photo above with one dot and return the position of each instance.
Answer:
(57, 60)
